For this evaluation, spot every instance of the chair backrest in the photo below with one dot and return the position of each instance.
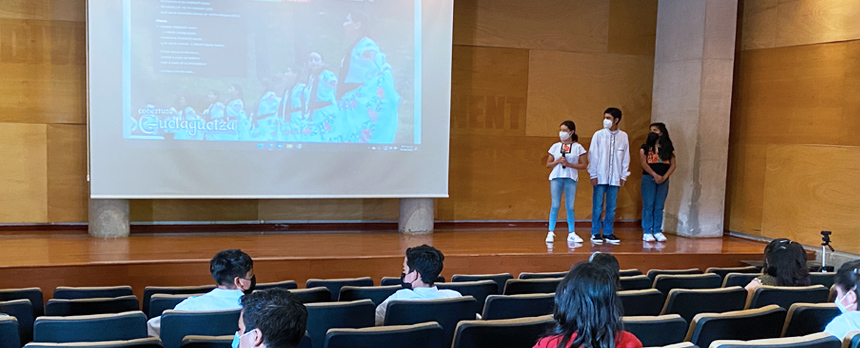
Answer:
(808, 318)
(334, 285)
(175, 325)
(172, 290)
(531, 286)
(785, 296)
(655, 272)
(514, 333)
(87, 306)
(723, 271)
(71, 293)
(22, 310)
(149, 342)
(200, 341)
(542, 275)
(286, 284)
(738, 279)
(158, 303)
(825, 279)
(641, 302)
(313, 295)
(330, 315)
(32, 294)
(447, 312)
(816, 340)
(656, 330)
(377, 294)
(667, 282)
(680, 345)
(499, 278)
(9, 333)
(689, 302)
(629, 272)
(478, 289)
(517, 306)
(749, 324)
(636, 282)
(423, 335)
(386, 281)
(90, 328)
(851, 340)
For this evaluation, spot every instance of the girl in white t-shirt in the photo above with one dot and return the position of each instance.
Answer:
(565, 158)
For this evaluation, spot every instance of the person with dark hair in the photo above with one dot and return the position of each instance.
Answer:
(233, 272)
(657, 157)
(273, 318)
(608, 261)
(216, 108)
(565, 158)
(784, 265)
(588, 311)
(609, 164)
(421, 266)
(847, 282)
(318, 107)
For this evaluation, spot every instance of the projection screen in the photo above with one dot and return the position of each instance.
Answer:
(268, 98)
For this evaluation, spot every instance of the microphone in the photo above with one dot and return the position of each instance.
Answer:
(562, 155)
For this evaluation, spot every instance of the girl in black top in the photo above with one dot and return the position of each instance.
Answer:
(657, 157)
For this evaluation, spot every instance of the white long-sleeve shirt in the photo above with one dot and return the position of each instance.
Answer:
(609, 157)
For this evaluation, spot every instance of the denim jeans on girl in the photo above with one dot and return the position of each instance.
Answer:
(653, 201)
(555, 187)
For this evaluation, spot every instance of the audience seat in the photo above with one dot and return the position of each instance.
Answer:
(329, 315)
(32, 294)
(499, 278)
(87, 306)
(22, 310)
(542, 275)
(749, 324)
(9, 333)
(785, 296)
(286, 284)
(175, 325)
(738, 279)
(723, 271)
(656, 330)
(679, 345)
(90, 328)
(200, 341)
(158, 303)
(808, 318)
(149, 342)
(386, 281)
(517, 306)
(825, 279)
(531, 286)
(629, 272)
(816, 340)
(334, 285)
(377, 294)
(641, 302)
(171, 290)
(655, 272)
(851, 340)
(667, 282)
(313, 295)
(639, 282)
(447, 312)
(424, 335)
(72, 293)
(477, 289)
(689, 302)
(512, 333)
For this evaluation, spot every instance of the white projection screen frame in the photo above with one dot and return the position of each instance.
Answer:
(156, 129)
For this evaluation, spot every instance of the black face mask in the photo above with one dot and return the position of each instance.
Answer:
(253, 285)
(403, 284)
(652, 137)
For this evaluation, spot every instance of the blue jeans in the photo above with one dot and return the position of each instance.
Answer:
(653, 201)
(556, 185)
(611, 193)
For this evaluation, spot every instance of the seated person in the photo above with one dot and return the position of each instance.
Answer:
(608, 261)
(273, 318)
(588, 312)
(420, 268)
(846, 282)
(233, 271)
(784, 265)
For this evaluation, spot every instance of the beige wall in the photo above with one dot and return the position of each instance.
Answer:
(520, 68)
(794, 145)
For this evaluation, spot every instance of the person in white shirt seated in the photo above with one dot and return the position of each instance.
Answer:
(233, 271)
(846, 283)
(421, 267)
(273, 318)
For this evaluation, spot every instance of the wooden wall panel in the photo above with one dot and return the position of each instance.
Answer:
(23, 172)
(632, 27)
(204, 210)
(330, 209)
(56, 10)
(781, 23)
(67, 170)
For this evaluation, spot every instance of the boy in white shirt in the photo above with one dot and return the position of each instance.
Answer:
(609, 167)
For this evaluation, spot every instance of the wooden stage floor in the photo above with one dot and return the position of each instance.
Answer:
(51, 259)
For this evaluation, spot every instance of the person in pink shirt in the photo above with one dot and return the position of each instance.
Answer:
(588, 312)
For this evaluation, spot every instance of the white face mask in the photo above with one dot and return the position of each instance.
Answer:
(607, 123)
(563, 135)
(842, 308)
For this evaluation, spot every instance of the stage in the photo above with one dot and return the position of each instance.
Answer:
(48, 259)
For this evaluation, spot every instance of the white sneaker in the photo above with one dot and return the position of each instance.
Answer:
(659, 237)
(647, 237)
(550, 237)
(573, 238)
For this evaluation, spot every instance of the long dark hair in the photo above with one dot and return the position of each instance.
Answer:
(786, 261)
(848, 276)
(586, 304)
(667, 150)
(572, 126)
